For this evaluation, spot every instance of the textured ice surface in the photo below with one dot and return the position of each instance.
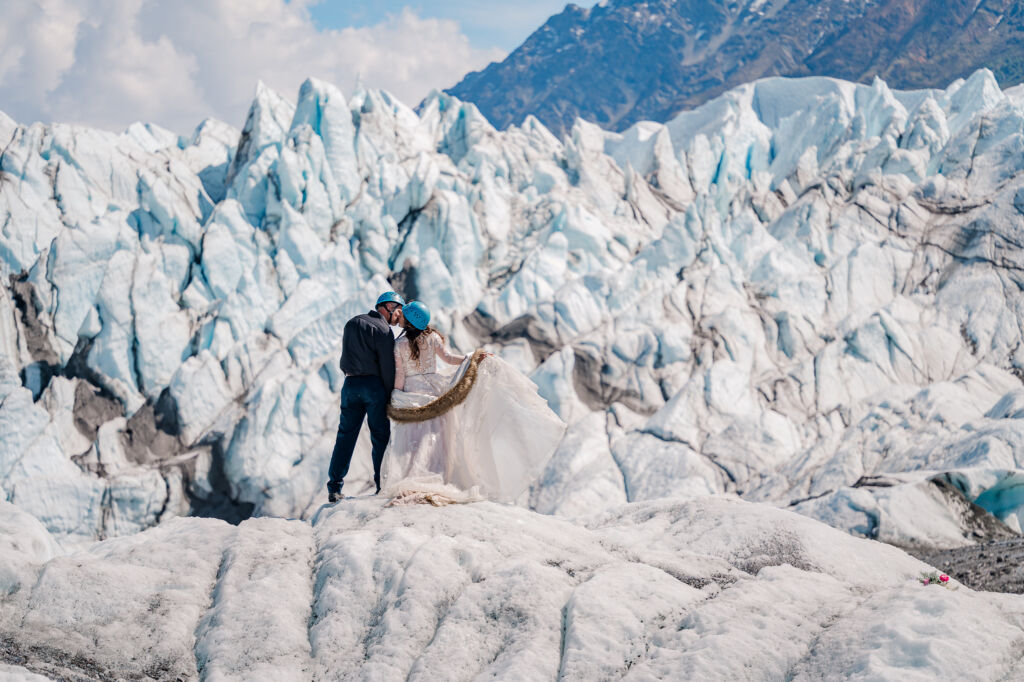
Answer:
(17, 673)
(711, 588)
(796, 288)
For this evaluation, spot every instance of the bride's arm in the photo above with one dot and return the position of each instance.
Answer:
(442, 352)
(399, 370)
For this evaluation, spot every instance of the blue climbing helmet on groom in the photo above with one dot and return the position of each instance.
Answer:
(368, 361)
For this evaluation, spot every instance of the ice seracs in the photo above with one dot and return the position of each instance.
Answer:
(795, 289)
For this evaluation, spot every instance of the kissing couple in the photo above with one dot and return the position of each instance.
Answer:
(477, 431)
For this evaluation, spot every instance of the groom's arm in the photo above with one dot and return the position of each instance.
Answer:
(384, 344)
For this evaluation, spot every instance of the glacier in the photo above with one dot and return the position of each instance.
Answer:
(711, 587)
(805, 293)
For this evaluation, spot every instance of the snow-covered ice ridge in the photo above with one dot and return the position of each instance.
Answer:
(806, 292)
(710, 588)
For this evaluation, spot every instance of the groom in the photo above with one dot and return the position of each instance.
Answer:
(368, 361)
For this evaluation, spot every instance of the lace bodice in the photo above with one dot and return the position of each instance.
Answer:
(431, 347)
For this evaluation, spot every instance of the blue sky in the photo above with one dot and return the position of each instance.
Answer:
(107, 63)
(504, 25)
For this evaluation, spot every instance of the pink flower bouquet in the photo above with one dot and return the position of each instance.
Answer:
(934, 578)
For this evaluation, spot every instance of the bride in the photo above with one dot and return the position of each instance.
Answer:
(481, 432)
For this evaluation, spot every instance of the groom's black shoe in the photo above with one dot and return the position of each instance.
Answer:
(334, 497)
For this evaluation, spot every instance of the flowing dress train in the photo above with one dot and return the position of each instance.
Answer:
(491, 446)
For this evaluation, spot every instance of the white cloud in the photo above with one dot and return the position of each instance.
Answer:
(108, 63)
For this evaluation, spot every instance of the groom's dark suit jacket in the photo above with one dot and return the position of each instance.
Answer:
(368, 348)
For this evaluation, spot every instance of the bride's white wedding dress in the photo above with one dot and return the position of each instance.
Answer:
(491, 446)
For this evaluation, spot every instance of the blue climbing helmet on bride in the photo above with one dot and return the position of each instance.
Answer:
(417, 314)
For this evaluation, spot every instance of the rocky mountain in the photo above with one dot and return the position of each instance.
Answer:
(624, 61)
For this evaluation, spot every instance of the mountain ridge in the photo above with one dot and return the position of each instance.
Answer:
(623, 61)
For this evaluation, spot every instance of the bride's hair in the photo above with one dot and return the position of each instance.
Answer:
(413, 334)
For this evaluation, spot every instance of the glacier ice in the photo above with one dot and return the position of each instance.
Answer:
(707, 588)
(801, 286)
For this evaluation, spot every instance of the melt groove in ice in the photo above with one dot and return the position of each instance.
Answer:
(706, 588)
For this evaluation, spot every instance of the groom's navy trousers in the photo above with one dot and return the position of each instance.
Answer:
(368, 361)
(361, 396)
